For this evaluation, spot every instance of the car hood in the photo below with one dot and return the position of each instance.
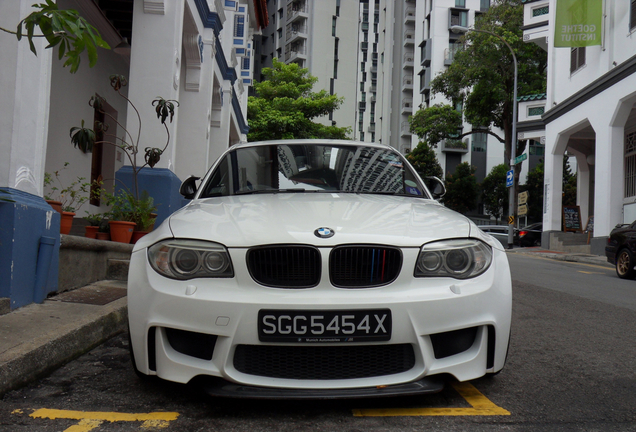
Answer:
(258, 219)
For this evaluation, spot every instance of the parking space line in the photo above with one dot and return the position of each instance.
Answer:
(89, 420)
(480, 406)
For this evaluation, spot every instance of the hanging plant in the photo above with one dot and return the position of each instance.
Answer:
(83, 138)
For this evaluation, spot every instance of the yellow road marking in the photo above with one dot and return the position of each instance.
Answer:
(480, 406)
(89, 420)
(581, 271)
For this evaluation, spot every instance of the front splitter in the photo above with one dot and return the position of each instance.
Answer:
(220, 387)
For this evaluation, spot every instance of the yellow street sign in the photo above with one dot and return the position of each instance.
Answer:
(522, 210)
(511, 220)
(523, 197)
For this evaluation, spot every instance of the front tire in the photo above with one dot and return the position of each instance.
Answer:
(625, 264)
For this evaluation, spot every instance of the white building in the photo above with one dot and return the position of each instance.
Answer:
(197, 52)
(589, 113)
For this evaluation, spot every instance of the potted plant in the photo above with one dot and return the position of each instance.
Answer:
(127, 205)
(143, 215)
(121, 215)
(65, 199)
(103, 231)
(94, 220)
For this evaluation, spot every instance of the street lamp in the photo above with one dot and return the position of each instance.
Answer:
(513, 150)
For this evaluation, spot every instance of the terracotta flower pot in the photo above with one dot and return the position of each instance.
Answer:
(66, 222)
(91, 231)
(121, 231)
(57, 205)
(137, 235)
(102, 236)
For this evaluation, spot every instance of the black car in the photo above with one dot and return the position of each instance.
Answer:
(530, 235)
(621, 250)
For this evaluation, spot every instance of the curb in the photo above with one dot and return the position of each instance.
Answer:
(39, 358)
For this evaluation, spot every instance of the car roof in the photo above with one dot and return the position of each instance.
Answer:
(332, 142)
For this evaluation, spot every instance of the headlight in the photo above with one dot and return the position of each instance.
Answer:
(188, 259)
(461, 259)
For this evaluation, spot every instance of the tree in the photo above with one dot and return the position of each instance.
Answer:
(65, 28)
(494, 191)
(424, 161)
(481, 77)
(435, 123)
(569, 184)
(286, 105)
(534, 186)
(461, 189)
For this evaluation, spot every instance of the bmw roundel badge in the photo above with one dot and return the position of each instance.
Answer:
(324, 232)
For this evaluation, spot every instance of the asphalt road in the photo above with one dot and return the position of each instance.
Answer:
(571, 367)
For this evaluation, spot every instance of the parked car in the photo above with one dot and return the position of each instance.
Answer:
(500, 232)
(530, 235)
(316, 268)
(621, 250)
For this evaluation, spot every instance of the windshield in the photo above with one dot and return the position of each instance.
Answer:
(312, 168)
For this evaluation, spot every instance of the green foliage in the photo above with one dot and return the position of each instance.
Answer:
(569, 184)
(124, 206)
(94, 219)
(494, 192)
(461, 189)
(72, 196)
(83, 138)
(534, 186)
(65, 28)
(436, 123)
(424, 161)
(482, 73)
(285, 106)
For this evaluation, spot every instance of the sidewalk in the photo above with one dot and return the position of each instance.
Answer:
(39, 338)
(562, 256)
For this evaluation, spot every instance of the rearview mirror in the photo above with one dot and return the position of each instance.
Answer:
(189, 187)
(435, 186)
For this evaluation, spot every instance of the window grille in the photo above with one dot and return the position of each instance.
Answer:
(630, 165)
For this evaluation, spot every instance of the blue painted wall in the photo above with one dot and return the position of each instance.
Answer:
(23, 223)
(160, 183)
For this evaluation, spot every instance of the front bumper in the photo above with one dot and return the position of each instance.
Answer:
(227, 310)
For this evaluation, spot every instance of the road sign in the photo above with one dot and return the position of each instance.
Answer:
(510, 176)
(522, 210)
(511, 220)
(521, 158)
(523, 197)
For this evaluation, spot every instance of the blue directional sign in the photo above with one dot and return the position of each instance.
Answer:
(510, 176)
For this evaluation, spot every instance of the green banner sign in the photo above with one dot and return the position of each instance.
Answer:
(578, 23)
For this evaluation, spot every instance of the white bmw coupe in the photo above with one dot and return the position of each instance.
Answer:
(317, 269)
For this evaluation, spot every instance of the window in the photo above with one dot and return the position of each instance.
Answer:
(337, 7)
(229, 3)
(632, 15)
(480, 142)
(335, 49)
(458, 17)
(536, 148)
(577, 59)
(460, 3)
(333, 26)
(335, 69)
(484, 5)
(535, 111)
(239, 26)
(246, 63)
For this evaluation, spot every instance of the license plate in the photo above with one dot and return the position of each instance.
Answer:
(324, 326)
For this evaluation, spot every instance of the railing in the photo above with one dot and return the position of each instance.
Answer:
(405, 128)
(293, 9)
(409, 14)
(409, 37)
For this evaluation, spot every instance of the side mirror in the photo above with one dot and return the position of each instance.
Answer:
(435, 186)
(189, 187)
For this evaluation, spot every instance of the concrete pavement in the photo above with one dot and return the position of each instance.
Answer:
(39, 338)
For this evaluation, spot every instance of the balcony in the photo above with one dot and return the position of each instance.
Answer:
(408, 60)
(405, 128)
(297, 10)
(409, 37)
(425, 80)
(407, 83)
(409, 14)
(296, 32)
(535, 23)
(451, 145)
(362, 106)
(371, 128)
(407, 106)
(364, 46)
(295, 53)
